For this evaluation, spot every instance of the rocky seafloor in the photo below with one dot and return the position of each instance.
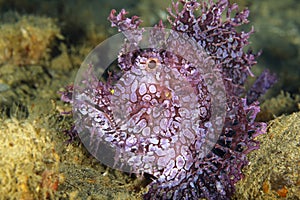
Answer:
(42, 45)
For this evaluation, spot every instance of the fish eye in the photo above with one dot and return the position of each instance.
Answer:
(152, 63)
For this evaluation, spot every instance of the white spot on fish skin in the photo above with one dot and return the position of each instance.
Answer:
(139, 126)
(189, 135)
(173, 173)
(146, 98)
(153, 140)
(149, 111)
(188, 162)
(136, 71)
(171, 153)
(146, 132)
(165, 143)
(156, 129)
(142, 89)
(183, 112)
(153, 102)
(181, 175)
(149, 158)
(166, 103)
(167, 113)
(131, 140)
(169, 166)
(156, 112)
(160, 152)
(180, 162)
(152, 88)
(184, 150)
(157, 76)
(133, 97)
(174, 138)
(182, 140)
(157, 94)
(163, 123)
(162, 162)
(129, 79)
(134, 86)
(151, 148)
(83, 109)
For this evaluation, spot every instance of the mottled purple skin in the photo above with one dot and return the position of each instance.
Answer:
(191, 176)
(214, 176)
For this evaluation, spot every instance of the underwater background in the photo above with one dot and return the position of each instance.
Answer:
(42, 45)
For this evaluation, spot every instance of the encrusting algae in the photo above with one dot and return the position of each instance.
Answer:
(29, 163)
(274, 172)
(283, 103)
(28, 40)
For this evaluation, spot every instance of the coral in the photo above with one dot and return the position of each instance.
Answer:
(274, 171)
(27, 160)
(28, 41)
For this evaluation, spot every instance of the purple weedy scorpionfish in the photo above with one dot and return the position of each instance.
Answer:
(176, 110)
